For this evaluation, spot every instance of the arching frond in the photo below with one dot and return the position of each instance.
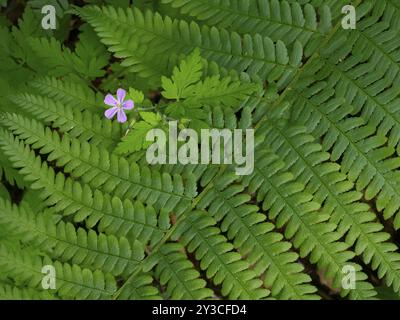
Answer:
(138, 37)
(72, 282)
(107, 171)
(62, 241)
(121, 218)
(225, 266)
(255, 238)
(177, 273)
(280, 20)
(68, 91)
(310, 230)
(10, 292)
(140, 288)
(329, 186)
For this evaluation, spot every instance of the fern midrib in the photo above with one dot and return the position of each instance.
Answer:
(12, 292)
(388, 55)
(107, 214)
(97, 252)
(207, 97)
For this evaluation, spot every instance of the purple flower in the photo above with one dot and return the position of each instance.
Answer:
(118, 106)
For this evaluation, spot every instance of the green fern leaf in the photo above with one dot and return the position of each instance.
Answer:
(132, 35)
(121, 218)
(62, 241)
(178, 274)
(255, 238)
(10, 292)
(310, 230)
(72, 282)
(280, 20)
(140, 288)
(328, 185)
(200, 235)
(66, 118)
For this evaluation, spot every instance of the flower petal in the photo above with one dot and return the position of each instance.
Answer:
(128, 105)
(110, 100)
(110, 113)
(121, 93)
(121, 116)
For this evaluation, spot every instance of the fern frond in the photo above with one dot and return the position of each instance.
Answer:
(9, 174)
(316, 218)
(101, 169)
(87, 61)
(310, 231)
(366, 82)
(62, 241)
(66, 118)
(11, 292)
(185, 83)
(139, 37)
(199, 234)
(117, 217)
(72, 282)
(279, 20)
(140, 288)
(215, 91)
(375, 97)
(177, 273)
(329, 186)
(366, 159)
(255, 238)
(183, 77)
(68, 92)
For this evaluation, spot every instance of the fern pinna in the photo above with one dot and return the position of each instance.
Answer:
(78, 194)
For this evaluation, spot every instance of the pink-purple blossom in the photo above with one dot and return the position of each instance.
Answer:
(118, 106)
